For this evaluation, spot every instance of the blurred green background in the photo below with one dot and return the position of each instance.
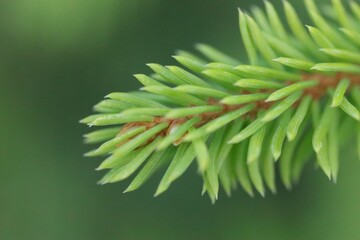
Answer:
(57, 59)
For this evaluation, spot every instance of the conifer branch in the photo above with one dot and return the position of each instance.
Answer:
(297, 97)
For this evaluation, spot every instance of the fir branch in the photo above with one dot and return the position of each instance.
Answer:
(298, 97)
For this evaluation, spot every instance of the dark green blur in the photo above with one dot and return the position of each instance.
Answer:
(57, 59)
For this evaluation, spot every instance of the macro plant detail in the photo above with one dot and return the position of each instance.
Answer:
(297, 98)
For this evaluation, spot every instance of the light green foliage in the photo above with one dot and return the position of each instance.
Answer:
(298, 118)
(339, 92)
(257, 84)
(187, 111)
(278, 137)
(111, 145)
(286, 91)
(296, 99)
(244, 98)
(275, 111)
(295, 63)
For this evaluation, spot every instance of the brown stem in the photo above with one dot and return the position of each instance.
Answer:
(325, 82)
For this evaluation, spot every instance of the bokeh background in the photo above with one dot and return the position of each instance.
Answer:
(58, 58)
